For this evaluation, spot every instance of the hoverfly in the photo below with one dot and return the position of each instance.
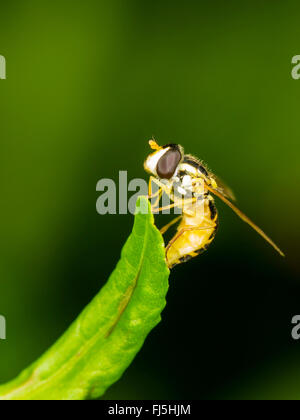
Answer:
(189, 185)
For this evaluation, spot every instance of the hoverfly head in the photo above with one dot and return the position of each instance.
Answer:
(164, 161)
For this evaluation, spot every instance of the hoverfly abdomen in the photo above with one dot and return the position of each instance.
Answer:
(213, 209)
(194, 234)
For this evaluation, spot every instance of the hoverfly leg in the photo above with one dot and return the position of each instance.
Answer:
(166, 227)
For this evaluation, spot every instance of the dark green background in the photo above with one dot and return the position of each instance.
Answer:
(88, 83)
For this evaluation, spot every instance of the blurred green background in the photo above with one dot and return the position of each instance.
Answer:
(88, 83)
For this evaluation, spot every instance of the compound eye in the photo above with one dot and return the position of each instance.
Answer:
(167, 164)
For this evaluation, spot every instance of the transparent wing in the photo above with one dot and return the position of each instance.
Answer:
(222, 188)
(245, 218)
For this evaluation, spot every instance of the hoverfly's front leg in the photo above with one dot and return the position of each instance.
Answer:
(161, 188)
(157, 194)
(182, 204)
(150, 195)
(155, 205)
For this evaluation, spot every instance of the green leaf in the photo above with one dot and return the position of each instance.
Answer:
(98, 347)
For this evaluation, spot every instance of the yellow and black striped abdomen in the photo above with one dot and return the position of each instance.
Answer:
(194, 234)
